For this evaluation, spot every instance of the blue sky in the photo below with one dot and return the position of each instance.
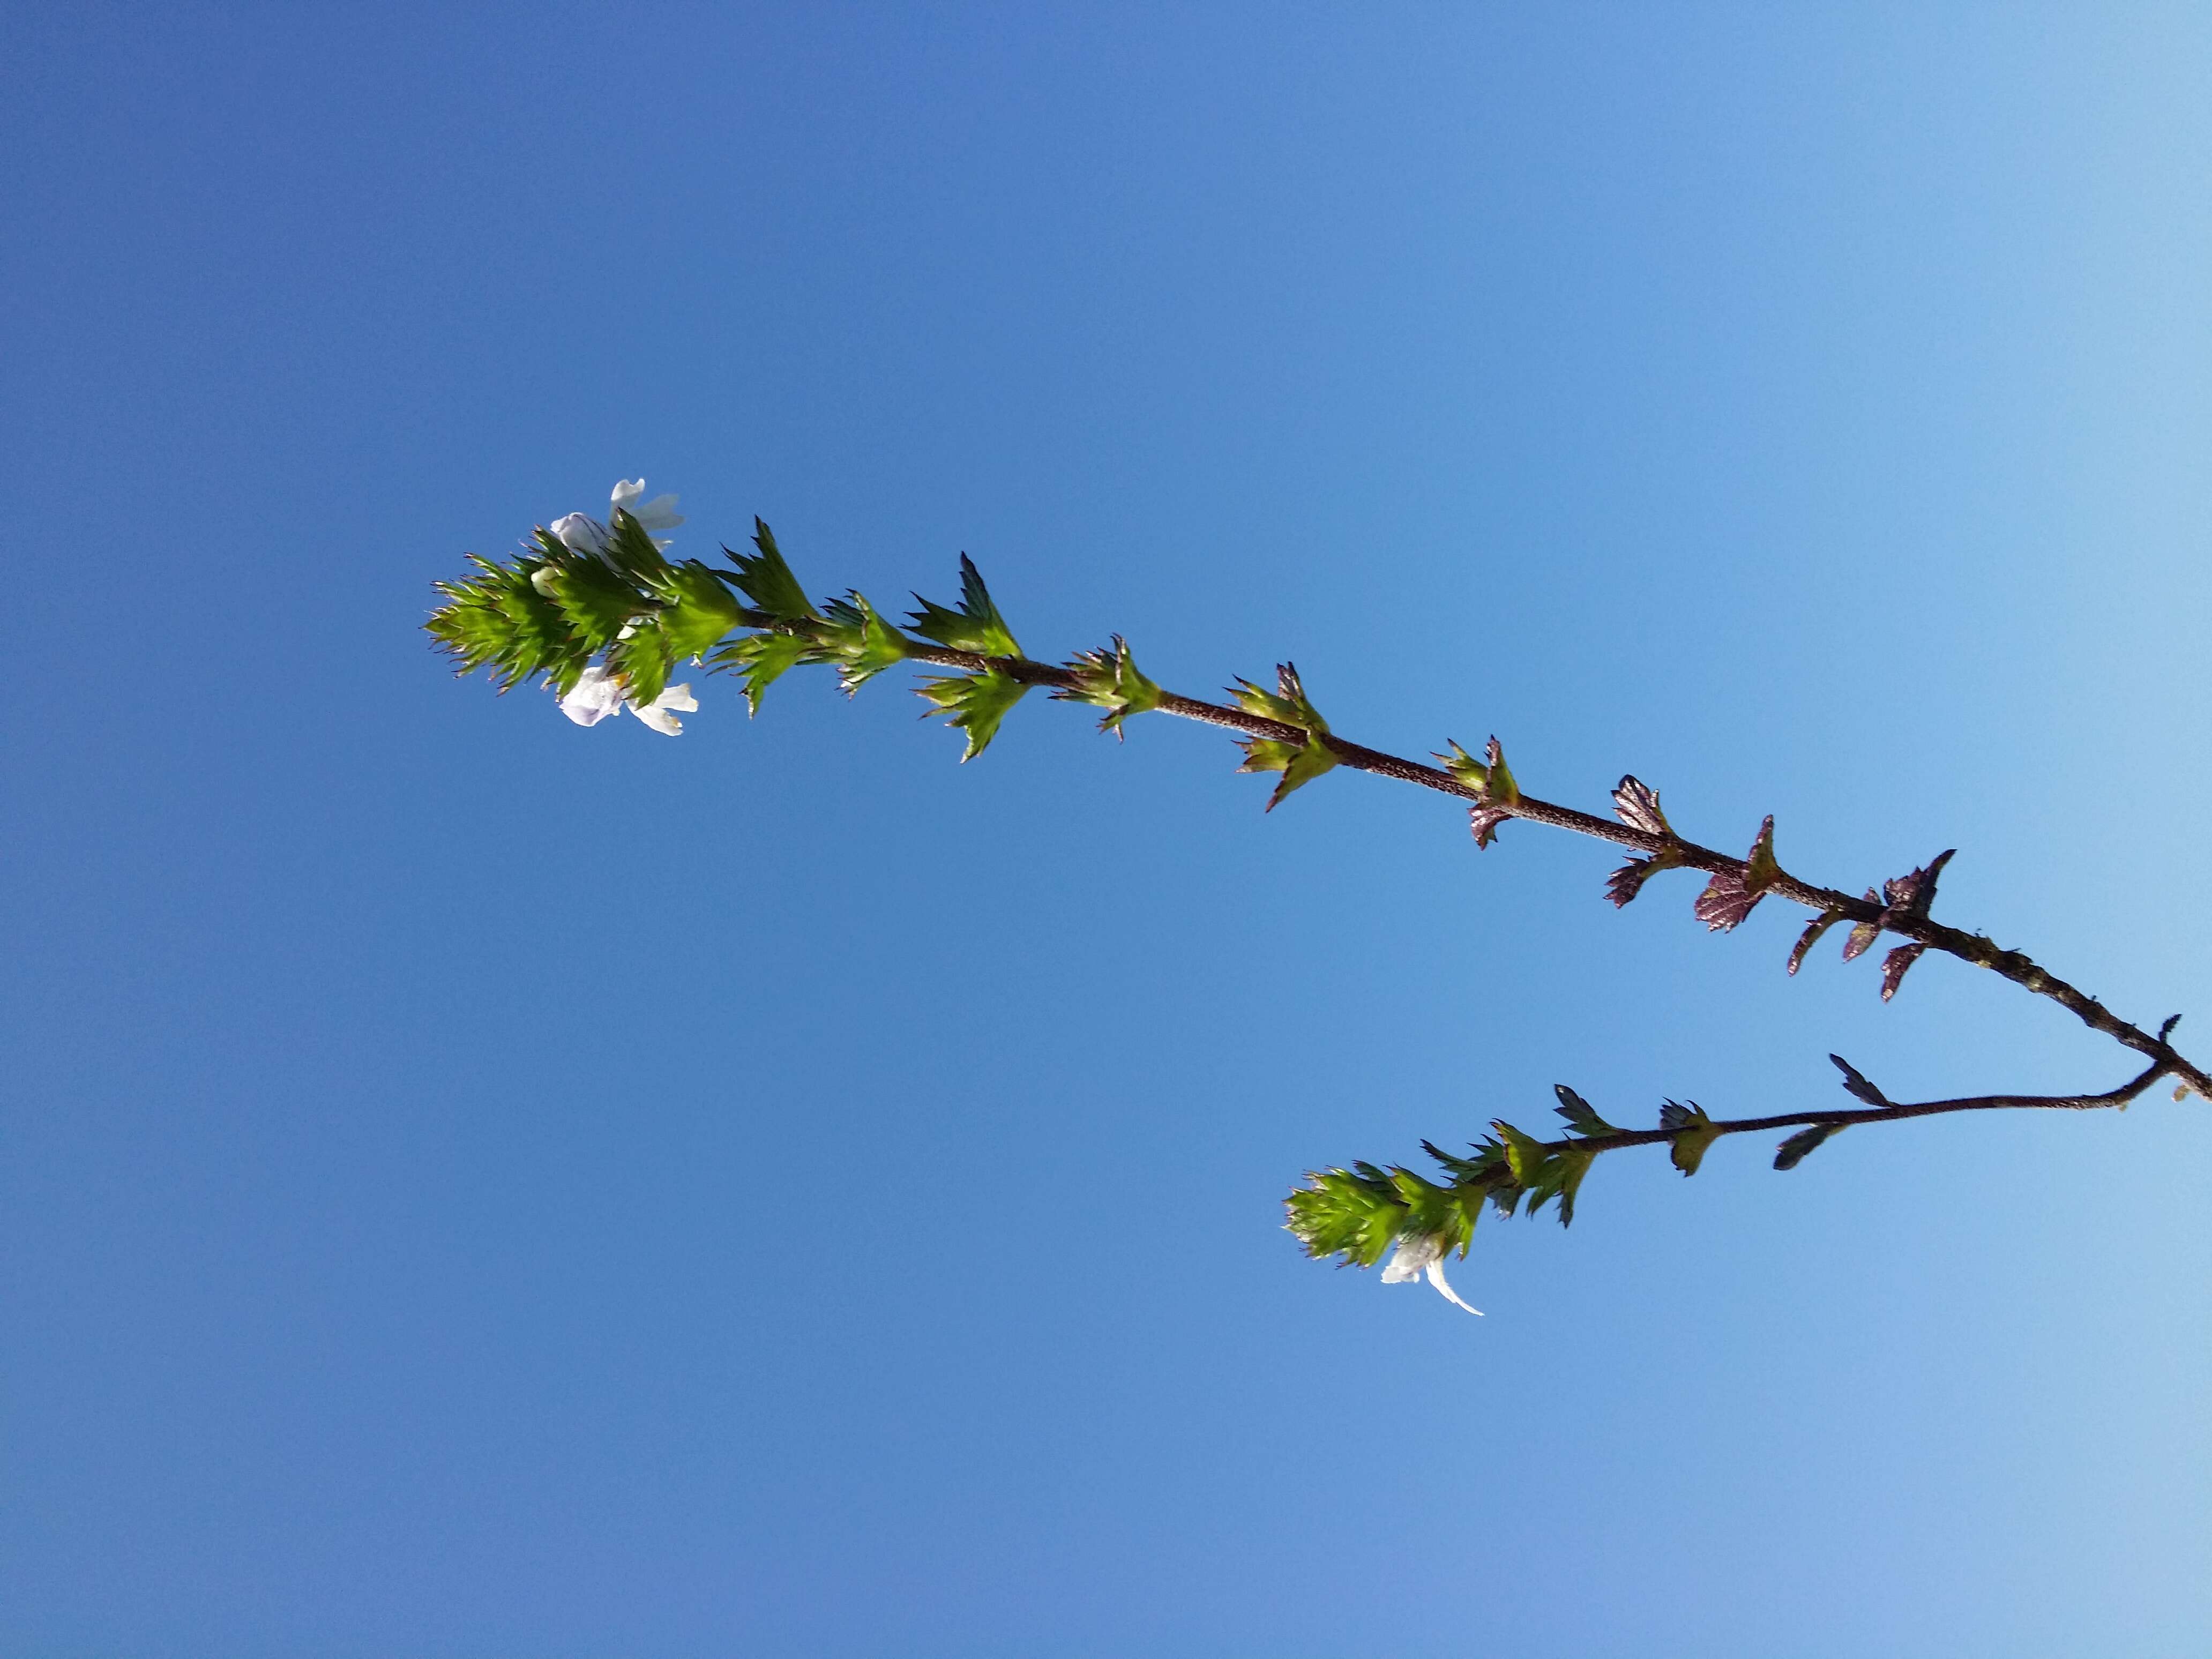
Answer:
(475, 1186)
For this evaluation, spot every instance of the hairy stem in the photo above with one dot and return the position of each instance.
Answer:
(1967, 947)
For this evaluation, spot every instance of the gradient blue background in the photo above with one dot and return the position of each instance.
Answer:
(472, 1186)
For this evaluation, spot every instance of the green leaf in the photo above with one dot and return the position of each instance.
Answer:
(1287, 703)
(1501, 790)
(631, 551)
(973, 703)
(699, 610)
(1801, 1146)
(761, 660)
(499, 620)
(1465, 767)
(1305, 765)
(975, 626)
(598, 602)
(1356, 1214)
(1112, 681)
(1579, 1114)
(1694, 1131)
(1760, 871)
(642, 661)
(1299, 763)
(859, 640)
(767, 580)
(1525, 1155)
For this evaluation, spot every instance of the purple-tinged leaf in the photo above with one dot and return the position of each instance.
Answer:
(1484, 821)
(1811, 936)
(1864, 933)
(1637, 804)
(1856, 1083)
(1725, 903)
(1626, 883)
(1800, 1146)
(1893, 966)
(1911, 896)
(1760, 871)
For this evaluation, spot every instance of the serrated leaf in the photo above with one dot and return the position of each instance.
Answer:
(1581, 1116)
(859, 640)
(976, 703)
(1306, 763)
(1288, 703)
(641, 661)
(1524, 1154)
(1864, 933)
(1266, 754)
(1637, 804)
(698, 610)
(1811, 936)
(632, 552)
(1112, 681)
(761, 660)
(1694, 1133)
(1500, 790)
(767, 579)
(1800, 1146)
(975, 626)
(1760, 871)
(1484, 821)
(1725, 903)
(499, 619)
(1856, 1083)
(1673, 1114)
(1624, 884)
(1893, 966)
(1912, 895)
(1465, 767)
(598, 602)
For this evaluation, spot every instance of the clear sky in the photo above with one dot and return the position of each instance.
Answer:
(473, 1186)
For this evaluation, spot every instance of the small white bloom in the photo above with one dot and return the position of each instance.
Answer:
(659, 514)
(579, 532)
(1419, 1254)
(595, 695)
(656, 713)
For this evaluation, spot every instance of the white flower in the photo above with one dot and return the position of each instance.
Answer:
(581, 533)
(1417, 1254)
(656, 716)
(597, 693)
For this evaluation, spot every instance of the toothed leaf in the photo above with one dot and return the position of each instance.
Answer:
(976, 703)
(1637, 804)
(1726, 902)
(1856, 1083)
(975, 626)
(1581, 1117)
(1112, 681)
(767, 580)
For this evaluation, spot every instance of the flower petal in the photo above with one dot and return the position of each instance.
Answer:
(580, 534)
(656, 713)
(595, 695)
(1415, 1251)
(1436, 1278)
(659, 514)
(626, 491)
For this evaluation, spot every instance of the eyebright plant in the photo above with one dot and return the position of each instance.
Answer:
(599, 612)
